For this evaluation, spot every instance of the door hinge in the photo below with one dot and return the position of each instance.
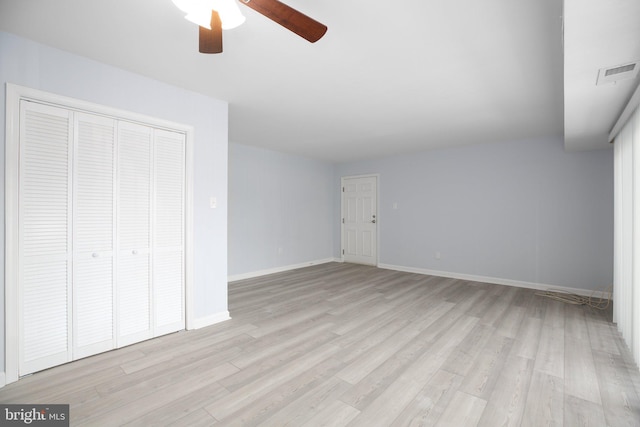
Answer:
(343, 252)
(343, 220)
(343, 189)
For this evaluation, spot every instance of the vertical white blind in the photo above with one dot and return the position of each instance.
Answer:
(627, 233)
(635, 224)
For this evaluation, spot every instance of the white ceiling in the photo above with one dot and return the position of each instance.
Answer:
(598, 34)
(388, 77)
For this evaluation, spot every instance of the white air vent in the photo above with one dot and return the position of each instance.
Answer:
(620, 72)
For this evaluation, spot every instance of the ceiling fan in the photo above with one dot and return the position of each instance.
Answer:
(215, 15)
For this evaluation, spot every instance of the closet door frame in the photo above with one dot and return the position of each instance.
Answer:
(16, 93)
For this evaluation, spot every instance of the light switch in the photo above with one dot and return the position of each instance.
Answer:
(213, 202)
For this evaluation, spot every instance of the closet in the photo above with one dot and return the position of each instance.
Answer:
(101, 233)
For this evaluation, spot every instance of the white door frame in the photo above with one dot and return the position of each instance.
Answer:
(342, 179)
(15, 93)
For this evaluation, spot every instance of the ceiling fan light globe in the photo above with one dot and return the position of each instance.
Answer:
(200, 17)
(230, 23)
(230, 13)
(198, 11)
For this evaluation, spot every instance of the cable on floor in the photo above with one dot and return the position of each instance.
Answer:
(599, 303)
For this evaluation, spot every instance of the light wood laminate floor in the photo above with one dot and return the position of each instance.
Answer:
(339, 344)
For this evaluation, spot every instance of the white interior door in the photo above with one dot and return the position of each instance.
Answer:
(168, 235)
(134, 233)
(44, 222)
(97, 216)
(359, 220)
(93, 235)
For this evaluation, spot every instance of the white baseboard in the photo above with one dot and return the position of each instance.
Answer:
(498, 281)
(259, 273)
(211, 320)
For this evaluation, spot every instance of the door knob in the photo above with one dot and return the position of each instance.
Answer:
(373, 221)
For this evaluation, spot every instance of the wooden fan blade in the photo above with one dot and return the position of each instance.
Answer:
(211, 40)
(289, 18)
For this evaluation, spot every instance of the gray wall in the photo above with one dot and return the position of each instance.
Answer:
(280, 209)
(526, 211)
(34, 65)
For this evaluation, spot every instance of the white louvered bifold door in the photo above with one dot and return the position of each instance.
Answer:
(94, 217)
(44, 273)
(101, 234)
(168, 236)
(134, 233)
